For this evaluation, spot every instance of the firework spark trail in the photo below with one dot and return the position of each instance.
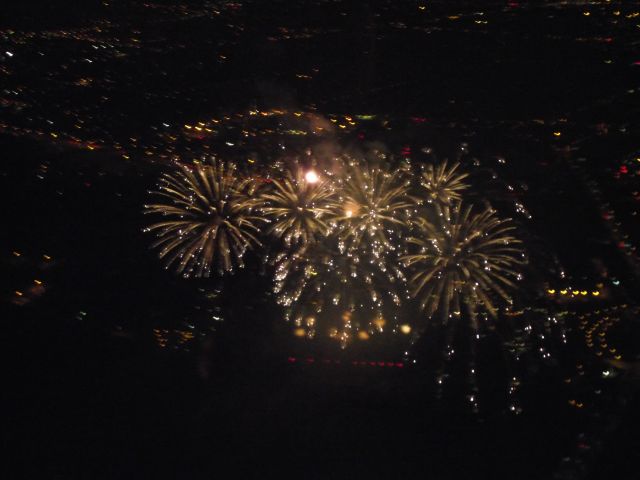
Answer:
(338, 295)
(442, 184)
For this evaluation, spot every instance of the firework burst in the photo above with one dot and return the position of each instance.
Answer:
(463, 259)
(299, 209)
(208, 220)
(443, 184)
(349, 284)
(375, 206)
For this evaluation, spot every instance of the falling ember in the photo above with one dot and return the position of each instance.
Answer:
(406, 329)
(362, 335)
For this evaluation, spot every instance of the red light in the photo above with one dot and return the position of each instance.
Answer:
(291, 359)
(400, 365)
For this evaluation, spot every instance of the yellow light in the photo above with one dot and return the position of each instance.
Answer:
(583, 292)
(380, 323)
(563, 292)
(406, 329)
(595, 293)
(551, 291)
(557, 134)
(311, 177)
(362, 335)
(299, 332)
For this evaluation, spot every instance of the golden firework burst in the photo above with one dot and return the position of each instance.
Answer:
(299, 209)
(208, 218)
(374, 205)
(443, 184)
(463, 259)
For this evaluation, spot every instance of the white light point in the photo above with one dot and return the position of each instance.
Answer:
(311, 177)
